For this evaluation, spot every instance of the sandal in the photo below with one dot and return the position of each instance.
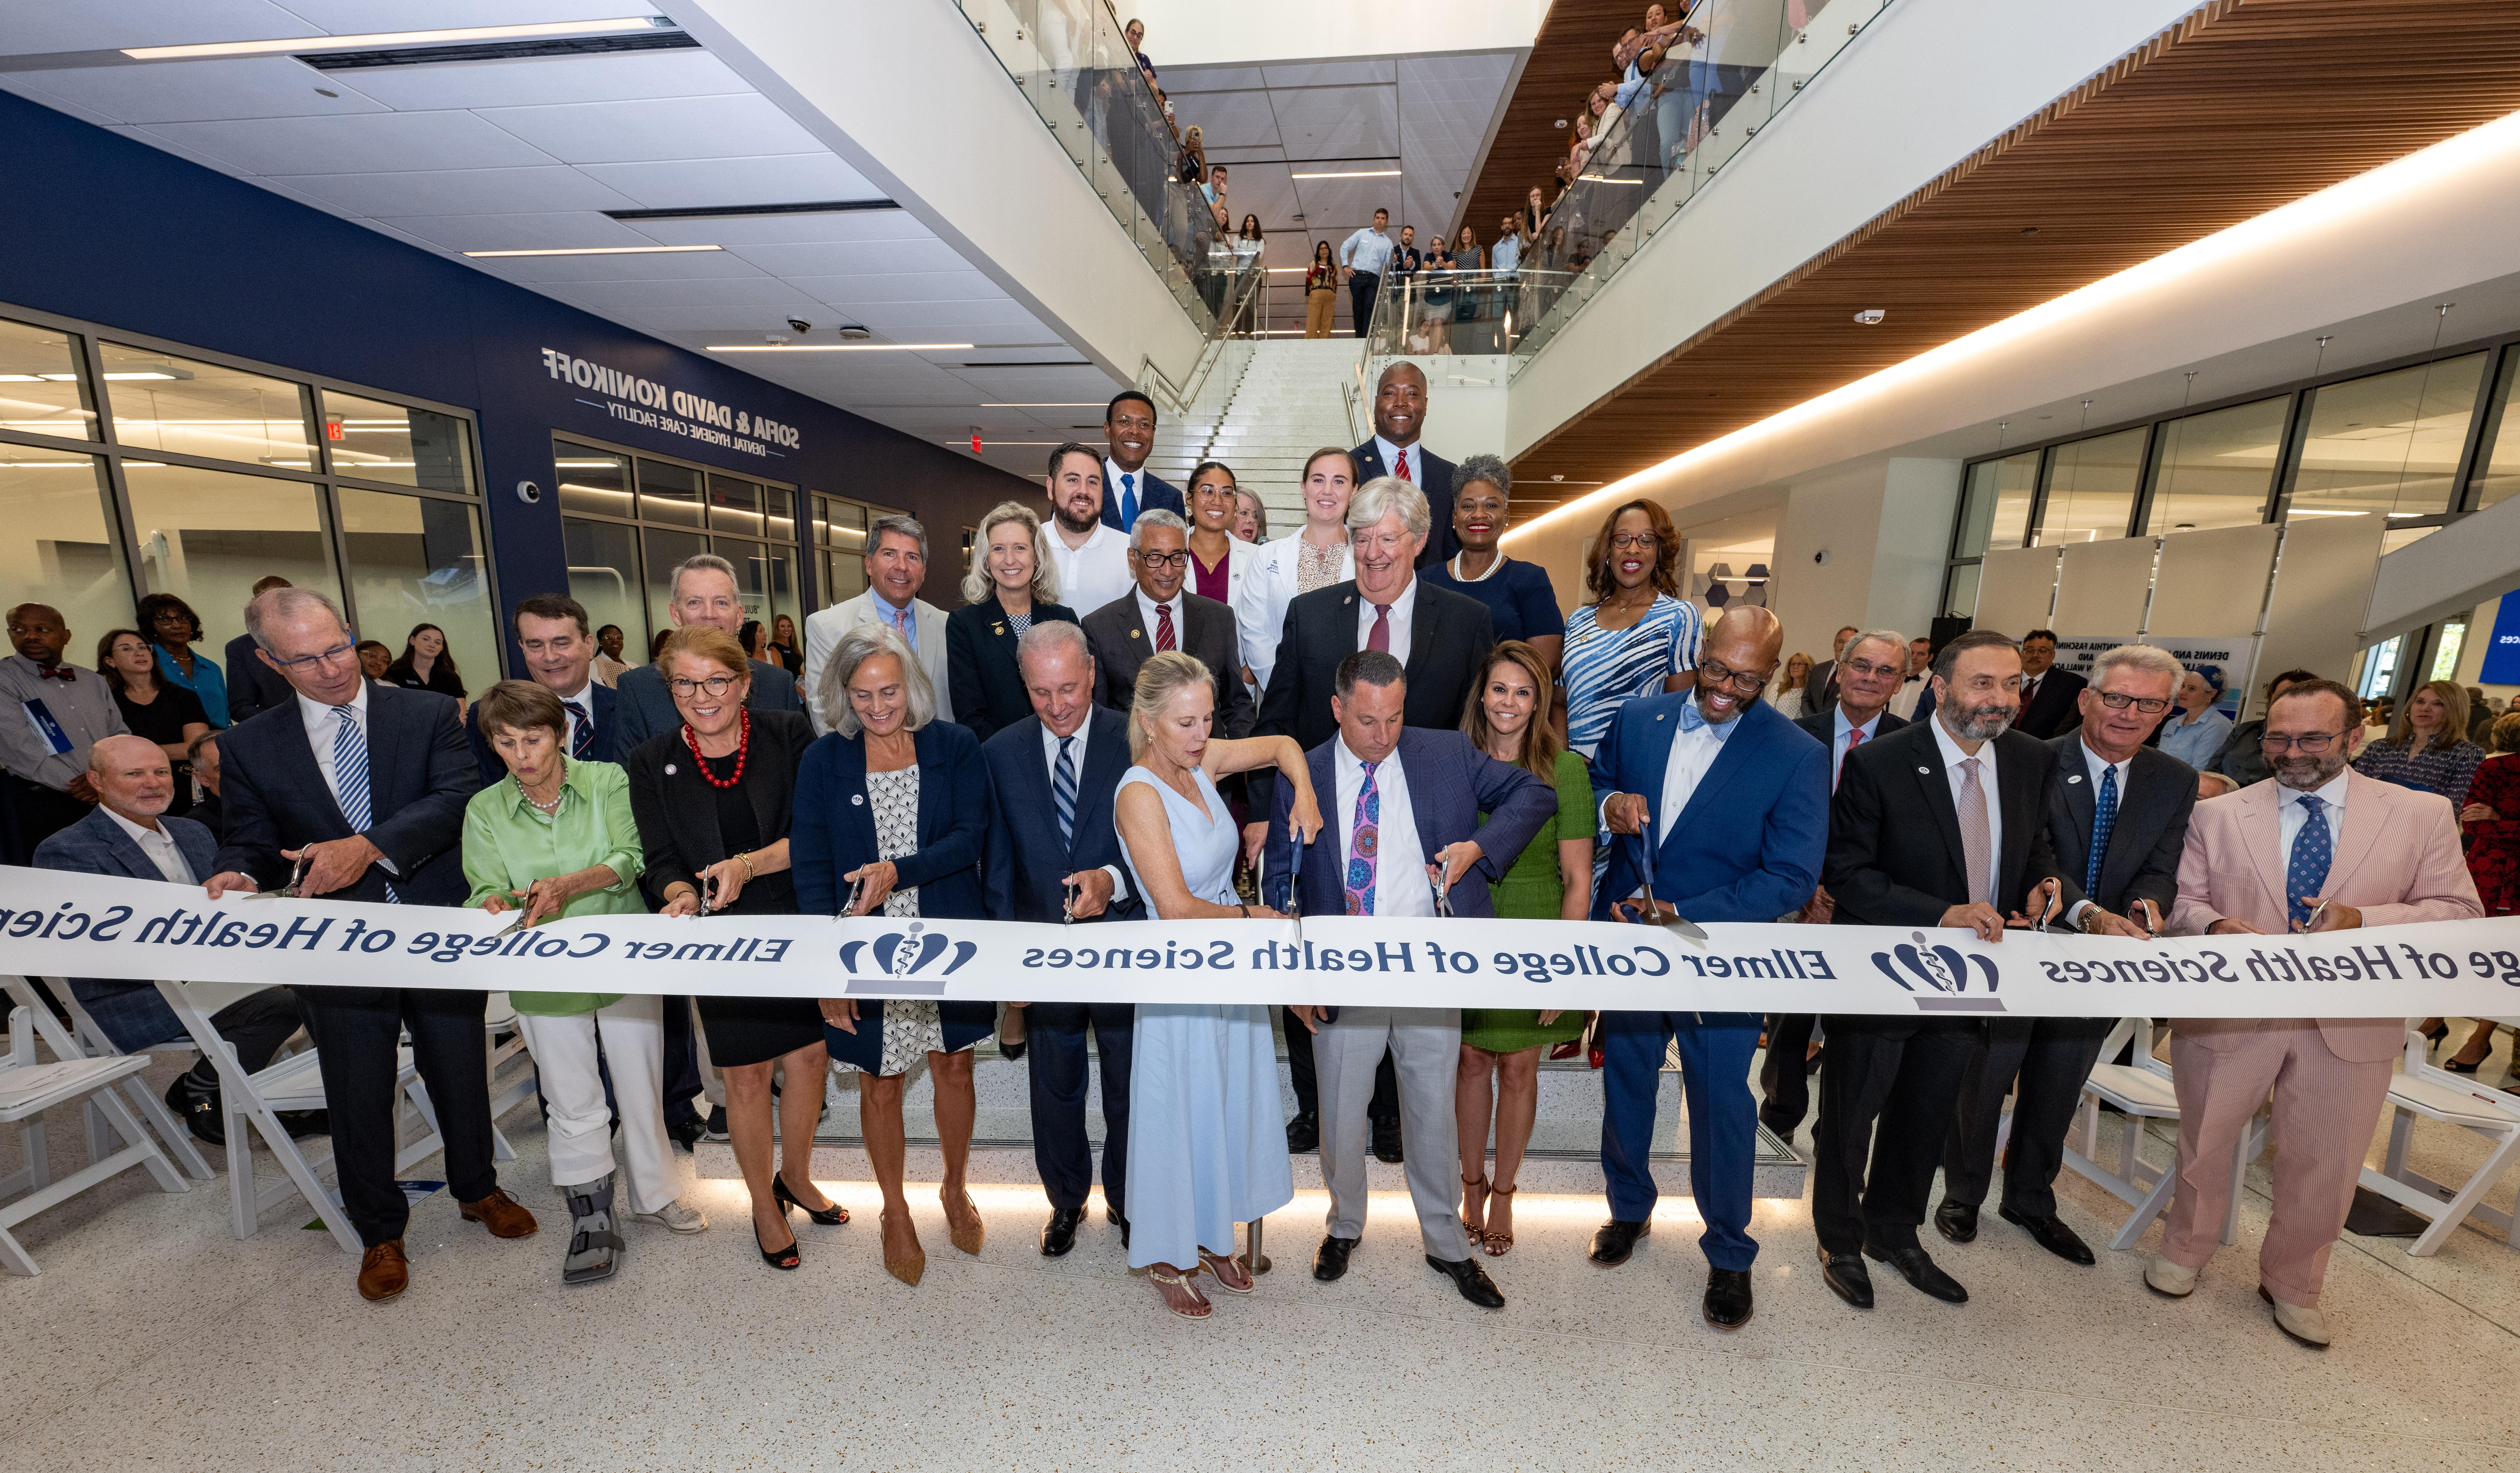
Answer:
(1472, 1228)
(1217, 1263)
(1497, 1244)
(1181, 1281)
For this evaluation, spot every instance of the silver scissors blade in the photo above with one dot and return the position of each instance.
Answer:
(856, 888)
(290, 891)
(513, 927)
(1677, 924)
(1066, 901)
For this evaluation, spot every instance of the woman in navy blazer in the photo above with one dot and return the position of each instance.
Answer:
(891, 811)
(1009, 587)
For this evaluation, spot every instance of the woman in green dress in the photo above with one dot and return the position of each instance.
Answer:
(1550, 880)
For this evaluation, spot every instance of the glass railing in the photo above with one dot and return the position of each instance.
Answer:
(1741, 62)
(1072, 63)
(1435, 311)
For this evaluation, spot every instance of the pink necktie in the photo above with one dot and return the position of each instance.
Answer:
(1380, 637)
(1854, 739)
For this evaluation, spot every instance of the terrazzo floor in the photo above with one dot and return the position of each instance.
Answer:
(154, 1338)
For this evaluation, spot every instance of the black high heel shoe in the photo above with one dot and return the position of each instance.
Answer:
(830, 1216)
(2454, 1066)
(2432, 1036)
(777, 1258)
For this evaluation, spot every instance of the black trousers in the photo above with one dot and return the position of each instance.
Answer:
(255, 1026)
(1058, 1069)
(35, 813)
(356, 1031)
(1784, 1077)
(1885, 1097)
(1383, 1109)
(2051, 1057)
(681, 1066)
(1360, 289)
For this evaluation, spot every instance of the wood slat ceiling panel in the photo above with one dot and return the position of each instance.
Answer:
(2245, 105)
(1570, 58)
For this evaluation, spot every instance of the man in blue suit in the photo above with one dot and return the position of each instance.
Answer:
(701, 590)
(1733, 801)
(560, 657)
(1399, 418)
(1053, 775)
(364, 786)
(127, 836)
(1402, 802)
(1128, 488)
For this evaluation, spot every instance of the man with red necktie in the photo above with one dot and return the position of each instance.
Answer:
(1399, 418)
(1161, 614)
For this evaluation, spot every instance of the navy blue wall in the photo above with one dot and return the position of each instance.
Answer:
(100, 227)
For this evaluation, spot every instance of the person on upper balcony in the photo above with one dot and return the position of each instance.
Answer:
(1399, 418)
(1365, 256)
(1128, 488)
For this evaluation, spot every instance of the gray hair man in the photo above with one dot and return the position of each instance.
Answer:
(896, 568)
(701, 590)
(1159, 613)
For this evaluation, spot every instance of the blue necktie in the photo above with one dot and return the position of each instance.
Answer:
(2102, 821)
(581, 734)
(1128, 499)
(1063, 791)
(2312, 851)
(350, 779)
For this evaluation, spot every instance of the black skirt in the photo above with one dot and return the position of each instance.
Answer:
(757, 1029)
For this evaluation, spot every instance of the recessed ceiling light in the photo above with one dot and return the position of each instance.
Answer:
(602, 251)
(389, 38)
(837, 348)
(1363, 173)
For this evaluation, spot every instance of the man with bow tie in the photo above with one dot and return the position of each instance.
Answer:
(62, 712)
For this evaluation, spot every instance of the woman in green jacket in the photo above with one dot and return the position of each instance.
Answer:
(555, 838)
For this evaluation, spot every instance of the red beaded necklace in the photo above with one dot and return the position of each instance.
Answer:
(742, 749)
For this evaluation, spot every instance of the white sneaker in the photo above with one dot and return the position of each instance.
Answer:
(674, 1217)
(2176, 1280)
(2302, 1322)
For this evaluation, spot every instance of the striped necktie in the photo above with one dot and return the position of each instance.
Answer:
(581, 734)
(350, 779)
(2103, 819)
(1063, 791)
(1164, 639)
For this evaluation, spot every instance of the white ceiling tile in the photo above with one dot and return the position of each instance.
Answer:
(169, 145)
(557, 230)
(275, 86)
(889, 315)
(729, 292)
(365, 143)
(33, 28)
(686, 184)
(740, 125)
(749, 231)
(564, 269)
(903, 286)
(861, 259)
(619, 77)
(30, 85)
(462, 191)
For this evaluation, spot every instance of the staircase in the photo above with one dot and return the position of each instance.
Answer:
(1286, 405)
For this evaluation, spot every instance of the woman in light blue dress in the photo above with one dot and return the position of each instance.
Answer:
(1637, 636)
(1206, 1147)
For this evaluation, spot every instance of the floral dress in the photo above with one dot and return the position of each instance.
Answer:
(911, 1027)
(2494, 860)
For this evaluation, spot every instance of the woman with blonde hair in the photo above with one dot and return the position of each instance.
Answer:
(1010, 585)
(1206, 1147)
(1552, 880)
(1786, 694)
(1314, 555)
(2427, 747)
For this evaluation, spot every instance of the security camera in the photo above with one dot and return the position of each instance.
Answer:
(800, 324)
(1821, 558)
(528, 493)
(1870, 316)
(855, 334)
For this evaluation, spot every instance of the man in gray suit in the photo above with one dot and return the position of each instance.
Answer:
(896, 568)
(128, 837)
(704, 592)
(1159, 615)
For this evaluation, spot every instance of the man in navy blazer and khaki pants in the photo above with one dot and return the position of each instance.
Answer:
(365, 785)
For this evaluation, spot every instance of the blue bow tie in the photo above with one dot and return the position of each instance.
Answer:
(1690, 719)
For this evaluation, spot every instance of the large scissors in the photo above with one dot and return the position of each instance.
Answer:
(1678, 925)
(291, 891)
(1295, 896)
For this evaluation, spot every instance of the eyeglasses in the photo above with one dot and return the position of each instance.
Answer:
(1639, 541)
(1162, 560)
(1868, 667)
(716, 685)
(1740, 680)
(332, 656)
(2118, 700)
(2312, 743)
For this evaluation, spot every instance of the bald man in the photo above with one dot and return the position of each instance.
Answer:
(60, 711)
(1719, 806)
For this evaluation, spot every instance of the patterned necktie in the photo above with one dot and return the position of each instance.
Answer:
(901, 623)
(1128, 499)
(581, 734)
(2103, 819)
(1164, 628)
(1364, 846)
(350, 780)
(1977, 837)
(1401, 470)
(2314, 849)
(1063, 791)
(1380, 637)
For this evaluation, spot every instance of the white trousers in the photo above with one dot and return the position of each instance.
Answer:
(630, 1035)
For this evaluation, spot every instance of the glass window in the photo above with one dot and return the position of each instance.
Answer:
(2497, 459)
(67, 555)
(843, 577)
(207, 535)
(417, 559)
(162, 402)
(848, 523)
(2090, 489)
(603, 563)
(751, 561)
(2216, 470)
(1961, 601)
(42, 389)
(2389, 444)
(1996, 511)
(380, 441)
(592, 481)
(780, 507)
(735, 504)
(665, 551)
(669, 493)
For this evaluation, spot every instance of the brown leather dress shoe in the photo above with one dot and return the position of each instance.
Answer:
(384, 1271)
(503, 1215)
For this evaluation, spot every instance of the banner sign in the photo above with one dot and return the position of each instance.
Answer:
(2227, 660)
(74, 925)
(658, 406)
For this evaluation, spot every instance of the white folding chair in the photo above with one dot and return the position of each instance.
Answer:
(500, 1017)
(2429, 1092)
(290, 1084)
(28, 1088)
(2139, 1091)
(83, 1039)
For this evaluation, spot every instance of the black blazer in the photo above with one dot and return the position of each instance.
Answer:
(677, 810)
(1431, 473)
(980, 671)
(1819, 691)
(1123, 642)
(440, 680)
(420, 777)
(254, 687)
(1450, 635)
(2056, 709)
(1024, 862)
(608, 749)
(2145, 843)
(1154, 495)
(1894, 838)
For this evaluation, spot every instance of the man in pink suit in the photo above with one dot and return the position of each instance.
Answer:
(2316, 847)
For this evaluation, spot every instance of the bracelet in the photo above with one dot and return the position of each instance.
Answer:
(747, 857)
(1245, 909)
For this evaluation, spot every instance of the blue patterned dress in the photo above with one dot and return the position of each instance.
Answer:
(1604, 669)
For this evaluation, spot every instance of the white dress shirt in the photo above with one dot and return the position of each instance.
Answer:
(1137, 487)
(1953, 756)
(1049, 741)
(1403, 613)
(1147, 607)
(2095, 767)
(1400, 884)
(158, 845)
(1094, 574)
(583, 703)
(1391, 454)
(1693, 753)
(1837, 749)
(2291, 816)
(1903, 704)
